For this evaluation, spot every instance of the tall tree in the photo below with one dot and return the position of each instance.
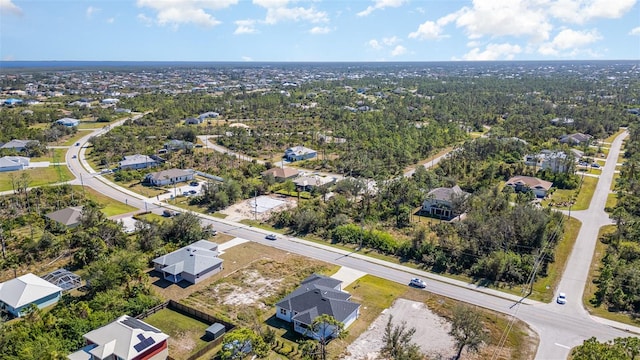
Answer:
(467, 329)
(324, 328)
(397, 342)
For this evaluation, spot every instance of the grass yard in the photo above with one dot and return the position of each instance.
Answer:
(544, 287)
(111, 206)
(38, 176)
(185, 332)
(591, 288)
(71, 140)
(614, 181)
(613, 136)
(561, 196)
(91, 125)
(612, 200)
(138, 188)
(52, 155)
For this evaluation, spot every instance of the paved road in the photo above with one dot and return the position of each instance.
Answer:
(559, 327)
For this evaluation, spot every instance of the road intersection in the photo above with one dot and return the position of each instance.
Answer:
(559, 327)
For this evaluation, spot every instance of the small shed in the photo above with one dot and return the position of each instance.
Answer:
(215, 331)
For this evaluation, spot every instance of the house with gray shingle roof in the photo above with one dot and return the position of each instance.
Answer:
(137, 161)
(13, 163)
(192, 263)
(439, 202)
(170, 176)
(18, 145)
(69, 217)
(317, 295)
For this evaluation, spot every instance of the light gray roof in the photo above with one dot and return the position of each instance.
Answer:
(446, 194)
(299, 150)
(67, 216)
(168, 174)
(192, 259)
(137, 159)
(10, 161)
(26, 289)
(15, 143)
(126, 338)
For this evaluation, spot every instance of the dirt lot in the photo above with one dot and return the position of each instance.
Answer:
(245, 209)
(431, 332)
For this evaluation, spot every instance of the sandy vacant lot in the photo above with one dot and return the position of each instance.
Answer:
(245, 209)
(431, 332)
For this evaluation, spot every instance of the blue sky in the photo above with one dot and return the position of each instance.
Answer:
(319, 30)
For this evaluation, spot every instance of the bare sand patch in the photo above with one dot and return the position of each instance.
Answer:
(254, 288)
(431, 332)
(246, 209)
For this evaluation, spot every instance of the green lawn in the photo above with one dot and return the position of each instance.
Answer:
(590, 287)
(613, 136)
(38, 176)
(111, 206)
(52, 155)
(614, 181)
(73, 139)
(185, 332)
(612, 200)
(90, 125)
(581, 202)
(543, 288)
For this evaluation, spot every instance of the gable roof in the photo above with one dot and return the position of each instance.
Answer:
(126, 338)
(16, 143)
(192, 259)
(316, 296)
(446, 194)
(26, 289)
(67, 216)
(137, 159)
(529, 181)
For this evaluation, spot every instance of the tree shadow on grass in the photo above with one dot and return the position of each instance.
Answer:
(280, 324)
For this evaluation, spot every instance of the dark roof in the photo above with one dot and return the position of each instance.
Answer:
(67, 216)
(317, 295)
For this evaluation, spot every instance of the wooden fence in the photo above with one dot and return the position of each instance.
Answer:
(193, 313)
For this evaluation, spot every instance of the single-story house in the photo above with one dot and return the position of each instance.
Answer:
(307, 183)
(528, 183)
(575, 139)
(209, 114)
(69, 217)
(298, 153)
(192, 263)
(281, 173)
(137, 161)
(193, 121)
(110, 101)
(439, 202)
(122, 110)
(13, 101)
(18, 145)
(126, 338)
(13, 163)
(16, 295)
(68, 122)
(171, 176)
(317, 295)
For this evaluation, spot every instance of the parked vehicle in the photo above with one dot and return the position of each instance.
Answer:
(562, 298)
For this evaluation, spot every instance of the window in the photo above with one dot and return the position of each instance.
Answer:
(283, 311)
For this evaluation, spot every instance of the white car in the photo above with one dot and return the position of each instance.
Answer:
(562, 298)
(271, 237)
(418, 283)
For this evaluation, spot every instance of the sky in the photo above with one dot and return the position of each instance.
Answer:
(319, 30)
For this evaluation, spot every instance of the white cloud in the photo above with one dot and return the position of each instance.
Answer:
(147, 21)
(246, 58)
(91, 10)
(318, 30)
(568, 39)
(10, 7)
(493, 52)
(379, 5)
(390, 41)
(581, 11)
(176, 12)
(375, 44)
(398, 50)
(245, 27)
(110, 20)
(427, 30)
(278, 14)
(635, 31)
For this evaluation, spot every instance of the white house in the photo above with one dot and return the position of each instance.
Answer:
(440, 202)
(137, 161)
(192, 263)
(68, 122)
(16, 295)
(317, 295)
(13, 163)
(167, 177)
